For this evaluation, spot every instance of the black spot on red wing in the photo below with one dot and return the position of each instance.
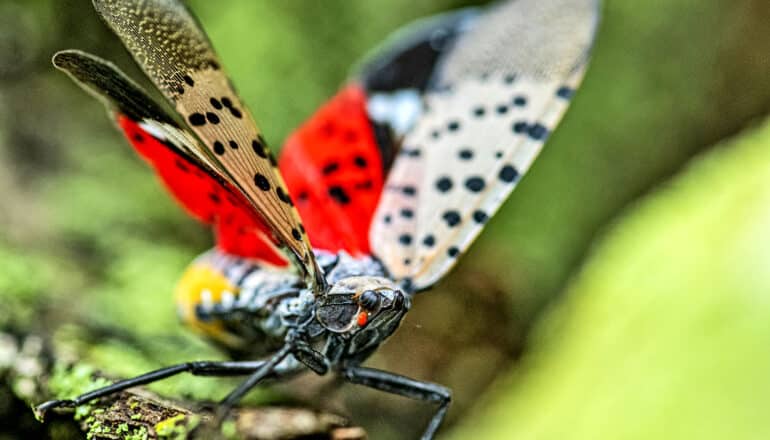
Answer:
(338, 193)
(452, 218)
(197, 119)
(214, 198)
(327, 129)
(330, 168)
(261, 182)
(351, 136)
(303, 196)
(182, 166)
(360, 161)
(366, 184)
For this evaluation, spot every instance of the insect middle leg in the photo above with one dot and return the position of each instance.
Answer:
(404, 386)
(199, 368)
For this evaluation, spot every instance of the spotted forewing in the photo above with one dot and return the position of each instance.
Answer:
(177, 157)
(177, 56)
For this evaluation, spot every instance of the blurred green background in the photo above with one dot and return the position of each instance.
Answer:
(622, 291)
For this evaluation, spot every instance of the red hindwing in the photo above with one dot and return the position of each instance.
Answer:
(206, 197)
(333, 168)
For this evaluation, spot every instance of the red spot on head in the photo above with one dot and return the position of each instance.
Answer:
(363, 317)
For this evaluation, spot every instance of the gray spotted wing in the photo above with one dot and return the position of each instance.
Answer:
(497, 95)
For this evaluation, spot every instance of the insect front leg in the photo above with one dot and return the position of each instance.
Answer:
(264, 371)
(404, 386)
(200, 368)
(311, 358)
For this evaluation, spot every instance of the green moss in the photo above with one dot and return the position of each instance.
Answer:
(664, 333)
(229, 429)
(66, 382)
(177, 427)
(137, 434)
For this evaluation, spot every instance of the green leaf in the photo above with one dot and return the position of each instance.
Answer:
(665, 333)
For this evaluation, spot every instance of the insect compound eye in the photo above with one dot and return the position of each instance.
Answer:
(337, 317)
(369, 300)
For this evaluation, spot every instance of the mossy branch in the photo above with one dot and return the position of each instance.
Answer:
(139, 414)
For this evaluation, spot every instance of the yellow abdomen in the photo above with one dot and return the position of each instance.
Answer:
(203, 286)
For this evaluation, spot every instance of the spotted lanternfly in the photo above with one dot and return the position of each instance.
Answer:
(392, 179)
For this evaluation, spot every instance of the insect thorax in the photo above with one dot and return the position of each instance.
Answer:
(247, 307)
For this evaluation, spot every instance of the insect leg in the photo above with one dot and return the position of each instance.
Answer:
(200, 368)
(262, 372)
(311, 358)
(404, 386)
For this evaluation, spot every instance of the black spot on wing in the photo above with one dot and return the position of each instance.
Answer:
(444, 184)
(212, 118)
(261, 182)
(452, 218)
(339, 194)
(197, 119)
(508, 174)
(330, 168)
(475, 184)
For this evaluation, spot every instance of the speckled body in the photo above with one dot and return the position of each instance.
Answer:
(252, 312)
